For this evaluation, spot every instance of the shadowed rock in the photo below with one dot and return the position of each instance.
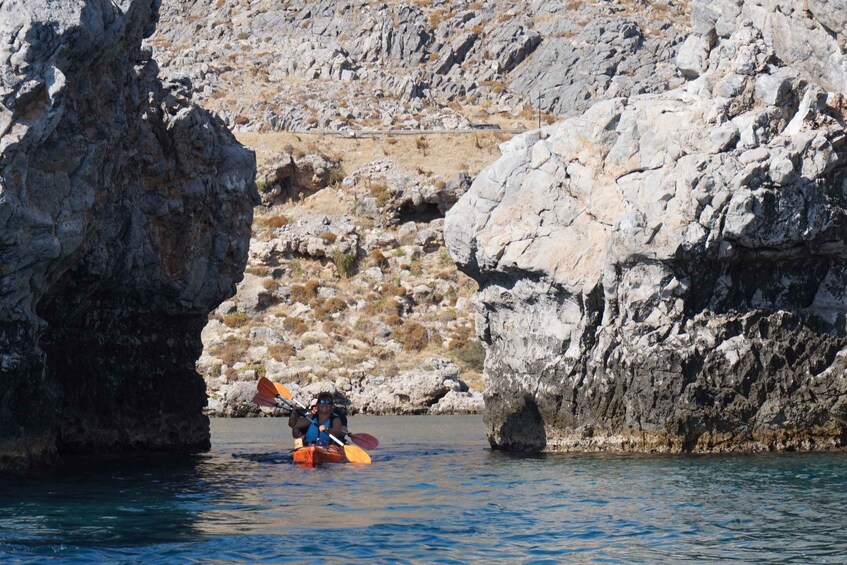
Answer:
(125, 217)
(667, 272)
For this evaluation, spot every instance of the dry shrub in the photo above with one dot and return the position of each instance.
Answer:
(231, 351)
(280, 351)
(381, 192)
(258, 270)
(345, 263)
(447, 315)
(386, 306)
(295, 325)
(335, 176)
(330, 306)
(328, 237)
(390, 289)
(412, 336)
(378, 259)
(305, 292)
(270, 284)
(393, 320)
(236, 319)
(276, 221)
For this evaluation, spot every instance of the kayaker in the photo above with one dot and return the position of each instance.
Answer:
(295, 416)
(316, 430)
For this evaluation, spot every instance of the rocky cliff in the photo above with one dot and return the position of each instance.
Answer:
(125, 216)
(666, 272)
(358, 64)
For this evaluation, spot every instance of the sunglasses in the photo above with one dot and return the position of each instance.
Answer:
(324, 401)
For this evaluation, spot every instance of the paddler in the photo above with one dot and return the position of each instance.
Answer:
(316, 430)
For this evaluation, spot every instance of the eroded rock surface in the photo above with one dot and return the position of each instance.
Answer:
(357, 64)
(125, 218)
(667, 272)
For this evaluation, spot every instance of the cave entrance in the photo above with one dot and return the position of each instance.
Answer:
(425, 213)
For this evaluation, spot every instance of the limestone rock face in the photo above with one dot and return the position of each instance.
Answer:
(667, 272)
(125, 218)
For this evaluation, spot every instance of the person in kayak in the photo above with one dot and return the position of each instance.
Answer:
(295, 417)
(316, 430)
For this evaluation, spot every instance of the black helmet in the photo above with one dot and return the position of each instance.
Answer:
(326, 396)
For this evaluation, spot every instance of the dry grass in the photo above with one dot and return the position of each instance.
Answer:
(449, 153)
(412, 336)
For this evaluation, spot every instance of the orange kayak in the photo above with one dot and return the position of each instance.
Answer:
(314, 455)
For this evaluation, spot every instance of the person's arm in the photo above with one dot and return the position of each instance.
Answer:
(293, 418)
(301, 424)
(336, 428)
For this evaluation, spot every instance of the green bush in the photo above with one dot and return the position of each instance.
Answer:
(471, 355)
(345, 262)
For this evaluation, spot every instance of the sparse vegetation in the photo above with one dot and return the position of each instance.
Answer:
(235, 320)
(471, 355)
(330, 306)
(412, 336)
(345, 262)
(276, 221)
(335, 176)
(378, 259)
(281, 351)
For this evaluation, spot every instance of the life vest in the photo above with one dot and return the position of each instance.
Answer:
(317, 437)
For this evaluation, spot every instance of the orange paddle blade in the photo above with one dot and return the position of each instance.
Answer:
(356, 455)
(283, 391)
(267, 388)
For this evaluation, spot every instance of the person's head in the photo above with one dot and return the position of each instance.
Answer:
(325, 402)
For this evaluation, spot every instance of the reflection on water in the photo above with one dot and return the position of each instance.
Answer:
(434, 493)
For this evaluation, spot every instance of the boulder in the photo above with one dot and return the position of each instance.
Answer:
(666, 273)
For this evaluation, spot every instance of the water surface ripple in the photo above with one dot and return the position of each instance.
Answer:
(435, 494)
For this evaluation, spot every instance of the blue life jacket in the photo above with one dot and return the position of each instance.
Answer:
(316, 437)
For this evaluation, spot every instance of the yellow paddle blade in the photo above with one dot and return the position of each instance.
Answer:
(266, 388)
(356, 455)
(283, 391)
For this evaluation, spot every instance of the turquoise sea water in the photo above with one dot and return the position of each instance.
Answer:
(434, 494)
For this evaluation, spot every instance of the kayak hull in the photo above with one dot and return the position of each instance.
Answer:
(314, 455)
